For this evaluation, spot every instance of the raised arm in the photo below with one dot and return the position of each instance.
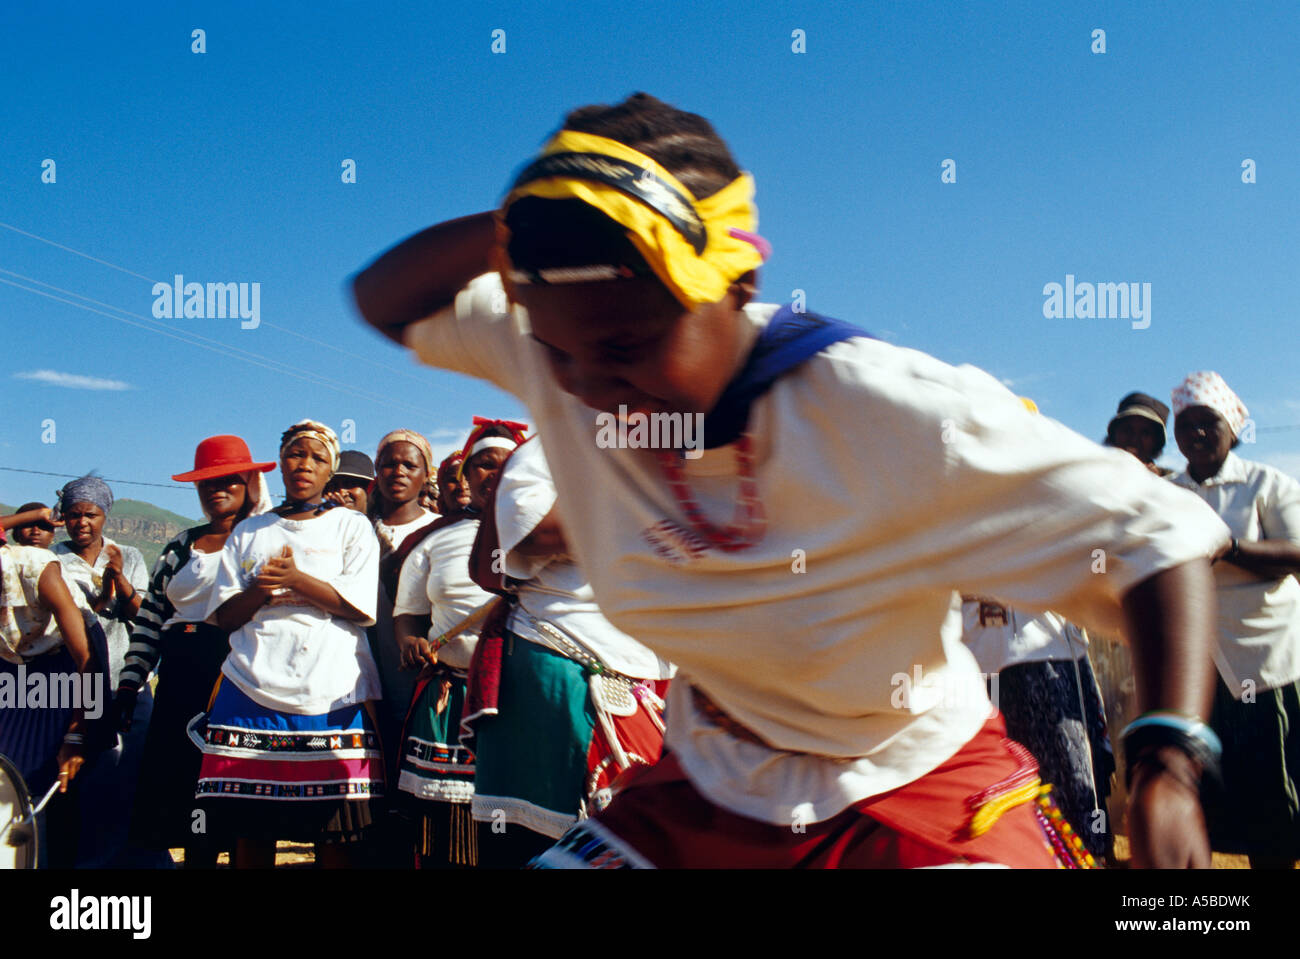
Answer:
(424, 272)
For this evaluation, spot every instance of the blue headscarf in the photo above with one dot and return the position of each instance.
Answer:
(88, 489)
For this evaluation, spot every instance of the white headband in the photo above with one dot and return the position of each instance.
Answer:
(490, 443)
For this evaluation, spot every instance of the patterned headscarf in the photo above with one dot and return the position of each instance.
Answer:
(315, 431)
(1207, 388)
(697, 247)
(407, 436)
(88, 489)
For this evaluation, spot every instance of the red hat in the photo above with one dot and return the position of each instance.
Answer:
(221, 456)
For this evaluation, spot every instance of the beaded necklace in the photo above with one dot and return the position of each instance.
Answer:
(750, 521)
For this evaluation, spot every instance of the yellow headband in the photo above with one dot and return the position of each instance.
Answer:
(693, 278)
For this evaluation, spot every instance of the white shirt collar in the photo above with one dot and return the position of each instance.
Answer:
(1233, 470)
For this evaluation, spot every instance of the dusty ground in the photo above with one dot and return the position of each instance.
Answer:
(1222, 860)
(290, 855)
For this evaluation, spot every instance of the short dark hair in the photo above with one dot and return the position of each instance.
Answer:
(685, 144)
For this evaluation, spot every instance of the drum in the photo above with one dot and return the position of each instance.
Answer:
(17, 842)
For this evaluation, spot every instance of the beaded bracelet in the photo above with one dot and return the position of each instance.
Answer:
(73, 739)
(1156, 729)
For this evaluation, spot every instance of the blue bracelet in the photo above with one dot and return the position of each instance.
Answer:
(1185, 724)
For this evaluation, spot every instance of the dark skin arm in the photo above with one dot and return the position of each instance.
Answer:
(1169, 619)
(54, 594)
(235, 612)
(424, 272)
(546, 539)
(412, 632)
(42, 515)
(1267, 558)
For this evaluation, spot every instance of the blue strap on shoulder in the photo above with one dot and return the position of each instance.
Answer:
(787, 340)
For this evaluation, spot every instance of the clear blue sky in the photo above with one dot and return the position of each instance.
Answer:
(225, 167)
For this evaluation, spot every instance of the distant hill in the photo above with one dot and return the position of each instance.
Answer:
(135, 523)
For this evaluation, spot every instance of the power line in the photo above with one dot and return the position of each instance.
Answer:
(15, 469)
(69, 249)
(203, 342)
(283, 329)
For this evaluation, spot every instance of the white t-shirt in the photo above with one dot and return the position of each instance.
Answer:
(435, 583)
(190, 588)
(27, 626)
(396, 534)
(89, 580)
(1259, 619)
(292, 655)
(1005, 637)
(556, 589)
(891, 481)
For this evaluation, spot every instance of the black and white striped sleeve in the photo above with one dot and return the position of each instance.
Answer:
(143, 655)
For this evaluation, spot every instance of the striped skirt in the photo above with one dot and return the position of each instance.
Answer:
(435, 766)
(32, 730)
(307, 778)
(436, 772)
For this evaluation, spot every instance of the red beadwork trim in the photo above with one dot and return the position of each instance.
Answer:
(1026, 772)
(751, 520)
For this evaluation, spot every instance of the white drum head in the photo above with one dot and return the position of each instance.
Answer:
(15, 804)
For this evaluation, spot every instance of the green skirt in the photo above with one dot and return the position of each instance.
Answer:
(1258, 811)
(531, 760)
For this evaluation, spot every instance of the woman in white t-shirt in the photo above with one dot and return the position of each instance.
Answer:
(290, 748)
(437, 615)
(577, 702)
(1257, 697)
(170, 635)
(47, 634)
(403, 464)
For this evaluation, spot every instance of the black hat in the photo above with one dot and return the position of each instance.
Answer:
(1140, 404)
(355, 464)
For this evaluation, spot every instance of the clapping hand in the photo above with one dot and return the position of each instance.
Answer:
(279, 572)
(113, 568)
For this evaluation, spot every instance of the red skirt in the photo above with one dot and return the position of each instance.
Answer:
(660, 820)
